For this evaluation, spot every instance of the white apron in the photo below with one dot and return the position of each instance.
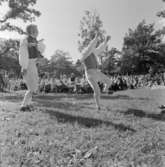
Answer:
(31, 78)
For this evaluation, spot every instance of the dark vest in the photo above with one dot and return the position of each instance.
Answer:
(91, 62)
(32, 50)
(72, 78)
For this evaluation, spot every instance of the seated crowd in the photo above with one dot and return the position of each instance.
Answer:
(75, 84)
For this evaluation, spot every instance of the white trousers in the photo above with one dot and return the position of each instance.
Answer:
(31, 78)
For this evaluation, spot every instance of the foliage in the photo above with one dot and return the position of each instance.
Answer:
(111, 61)
(161, 13)
(90, 25)
(18, 9)
(79, 67)
(9, 56)
(141, 49)
(60, 63)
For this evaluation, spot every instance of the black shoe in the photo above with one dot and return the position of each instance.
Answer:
(25, 108)
(110, 92)
(162, 112)
(31, 107)
(98, 108)
(162, 107)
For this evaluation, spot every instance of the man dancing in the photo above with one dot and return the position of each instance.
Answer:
(30, 50)
(93, 74)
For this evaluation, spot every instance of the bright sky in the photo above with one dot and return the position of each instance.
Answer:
(60, 20)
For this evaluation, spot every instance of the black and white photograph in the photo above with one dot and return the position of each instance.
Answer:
(82, 83)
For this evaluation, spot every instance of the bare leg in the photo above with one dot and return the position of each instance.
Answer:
(106, 80)
(96, 90)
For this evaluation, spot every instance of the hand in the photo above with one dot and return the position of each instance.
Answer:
(108, 38)
(94, 35)
(41, 47)
(40, 57)
(32, 44)
(24, 71)
(41, 40)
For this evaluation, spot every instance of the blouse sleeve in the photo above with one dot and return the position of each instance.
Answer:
(41, 47)
(23, 54)
(89, 49)
(101, 48)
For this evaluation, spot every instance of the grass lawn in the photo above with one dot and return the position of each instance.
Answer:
(66, 130)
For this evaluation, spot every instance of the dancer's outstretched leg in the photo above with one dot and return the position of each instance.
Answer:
(105, 79)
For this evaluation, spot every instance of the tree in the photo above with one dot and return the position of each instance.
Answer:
(139, 48)
(79, 68)
(61, 63)
(111, 60)
(161, 13)
(9, 56)
(43, 66)
(18, 9)
(21, 10)
(90, 25)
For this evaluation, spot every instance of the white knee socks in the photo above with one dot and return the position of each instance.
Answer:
(27, 98)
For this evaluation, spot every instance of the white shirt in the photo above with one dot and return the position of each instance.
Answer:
(24, 54)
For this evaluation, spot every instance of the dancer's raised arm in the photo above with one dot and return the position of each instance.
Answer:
(89, 49)
(102, 47)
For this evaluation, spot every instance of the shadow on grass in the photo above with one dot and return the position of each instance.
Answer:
(4, 91)
(65, 105)
(122, 97)
(109, 97)
(85, 121)
(46, 97)
(55, 101)
(54, 96)
(103, 96)
(11, 98)
(142, 114)
(60, 96)
(82, 96)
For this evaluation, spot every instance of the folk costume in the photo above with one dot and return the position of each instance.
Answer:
(27, 59)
